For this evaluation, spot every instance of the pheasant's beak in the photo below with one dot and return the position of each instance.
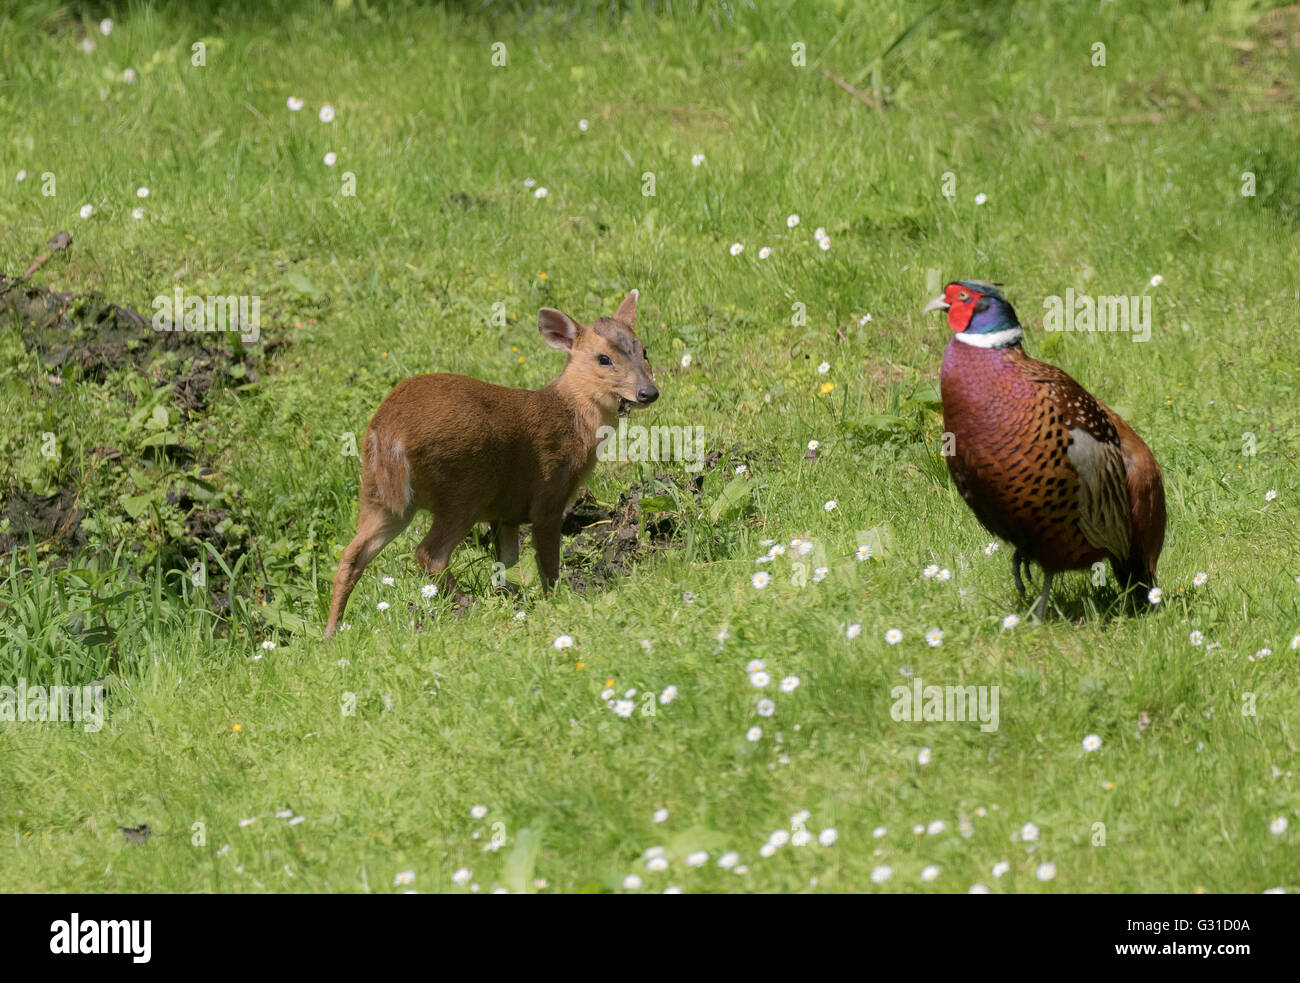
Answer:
(938, 304)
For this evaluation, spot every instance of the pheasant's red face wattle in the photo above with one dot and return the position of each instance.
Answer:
(961, 306)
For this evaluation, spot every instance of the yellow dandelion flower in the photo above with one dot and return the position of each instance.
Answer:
(236, 728)
(827, 387)
(580, 666)
(541, 276)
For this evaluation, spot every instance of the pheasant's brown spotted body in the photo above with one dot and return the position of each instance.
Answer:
(1041, 462)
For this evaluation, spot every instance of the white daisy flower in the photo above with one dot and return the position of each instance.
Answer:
(283, 813)
(672, 890)
(990, 549)
(137, 213)
(631, 883)
(530, 182)
(791, 221)
(268, 645)
(1045, 872)
(563, 642)
(1295, 642)
(820, 574)
(294, 104)
(382, 606)
(761, 579)
(404, 878)
(801, 838)
(779, 838)
(759, 678)
(934, 638)
(943, 575)
(1029, 832)
(686, 361)
(930, 571)
(865, 319)
(387, 581)
(629, 694)
(1264, 653)
(853, 631)
(1157, 280)
(540, 193)
(881, 874)
(21, 176)
(1000, 868)
(668, 695)
(789, 684)
(828, 836)
(1270, 494)
(764, 252)
(893, 636)
(819, 233)
(737, 249)
(729, 860)
(905, 671)
(1091, 743)
(656, 865)
(461, 876)
(1155, 594)
(624, 708)
(326, 113)
(87, 211)
(766, 850)
(978, 889)
(330, 159)
(106, 26)
(1196, 638)
(478, 812)
(981, 198)
(929, 873)
(765, 708)
(697, 160)
(429, 590)
(823, 368)
(1200, 579)
(823, 244)
(296, 820)
(925, 756)
(128, 75)
(800, 817)
(1278, 826)
(776, 550)
(814, 444)
(582, 125)
(936, 827)
(754, 734)
(660, 816)
(879, 832)
(697, 859)
(863, 553)
(520, 615)
(1010, 621)
(805, 548)
(142, 192)
(831, 505)
(753, 665)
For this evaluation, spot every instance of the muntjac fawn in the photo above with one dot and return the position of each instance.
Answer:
(469, 451)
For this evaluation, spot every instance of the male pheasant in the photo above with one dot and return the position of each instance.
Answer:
(1042, 463)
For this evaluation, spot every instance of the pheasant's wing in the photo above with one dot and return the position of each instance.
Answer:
(1097, 457)
(1146, 496)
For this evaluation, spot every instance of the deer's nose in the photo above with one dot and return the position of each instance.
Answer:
(646, 395)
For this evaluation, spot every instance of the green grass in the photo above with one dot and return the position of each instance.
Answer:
(1097, 178)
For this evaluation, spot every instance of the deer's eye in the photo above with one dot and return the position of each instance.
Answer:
(604, 359)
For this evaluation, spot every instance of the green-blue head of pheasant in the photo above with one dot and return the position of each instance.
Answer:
(979, 312)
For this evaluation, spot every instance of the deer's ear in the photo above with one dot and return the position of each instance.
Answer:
(627, 310)
(557, 328)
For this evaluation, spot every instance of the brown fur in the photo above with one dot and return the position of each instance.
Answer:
(469, 451)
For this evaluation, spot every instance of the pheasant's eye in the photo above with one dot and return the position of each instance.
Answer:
(963, 296)
(604, 359)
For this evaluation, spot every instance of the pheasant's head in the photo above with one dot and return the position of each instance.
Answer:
(977, 309)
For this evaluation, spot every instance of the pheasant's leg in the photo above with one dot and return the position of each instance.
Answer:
(1018, 561)
(1040, 612)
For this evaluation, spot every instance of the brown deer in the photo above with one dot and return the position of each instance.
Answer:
(469, 452)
